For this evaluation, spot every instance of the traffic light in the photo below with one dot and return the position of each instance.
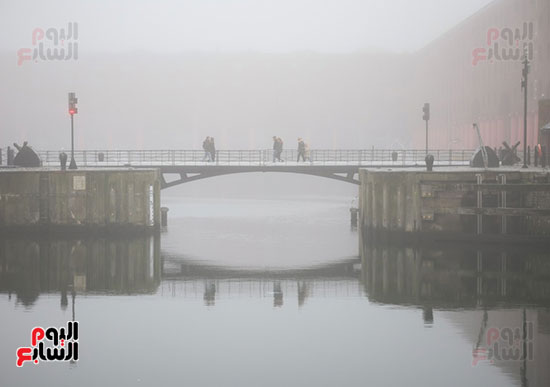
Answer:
(426, 110)
(72, 104)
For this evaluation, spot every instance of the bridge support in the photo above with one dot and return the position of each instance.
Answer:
(347, 174)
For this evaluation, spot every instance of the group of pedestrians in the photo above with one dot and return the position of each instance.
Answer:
(209, 149)
(303, 150)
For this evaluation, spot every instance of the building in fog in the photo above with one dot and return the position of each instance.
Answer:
(473, 74)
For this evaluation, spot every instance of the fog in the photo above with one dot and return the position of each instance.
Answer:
(165, 74)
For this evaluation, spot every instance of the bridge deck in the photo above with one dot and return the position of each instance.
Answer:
(264, 158)
(190, 165)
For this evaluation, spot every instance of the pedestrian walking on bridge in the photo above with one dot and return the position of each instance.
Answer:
(212, 149)
(277, 148)
(301, 150)
(206, 147)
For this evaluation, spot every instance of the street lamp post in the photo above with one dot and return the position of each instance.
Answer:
(72, 111)
(426, 117)
(525, 73)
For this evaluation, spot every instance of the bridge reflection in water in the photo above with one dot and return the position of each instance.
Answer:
(188, 278)
(135, 265)
(434, 277)
(476, 291)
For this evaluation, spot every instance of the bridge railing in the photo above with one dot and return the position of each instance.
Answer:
(366, 157)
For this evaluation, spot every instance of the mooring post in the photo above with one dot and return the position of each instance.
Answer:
(479, 229)
(164, 216)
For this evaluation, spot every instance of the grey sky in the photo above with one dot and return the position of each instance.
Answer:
(238, 25)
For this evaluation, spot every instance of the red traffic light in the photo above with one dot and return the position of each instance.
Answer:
(72, 104)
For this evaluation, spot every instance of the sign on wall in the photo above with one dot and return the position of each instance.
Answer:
(79, 183)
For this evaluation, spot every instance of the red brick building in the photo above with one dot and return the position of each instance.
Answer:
(473, 74)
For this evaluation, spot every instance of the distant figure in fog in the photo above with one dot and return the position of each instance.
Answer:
(63, 159)
(277, 148)
(301, 150)
(212, 149)
(206, 147)
(307, 153)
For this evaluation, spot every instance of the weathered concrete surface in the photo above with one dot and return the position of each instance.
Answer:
(122, 199)
(413, 202)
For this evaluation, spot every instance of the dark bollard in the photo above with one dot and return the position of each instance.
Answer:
(528, 155)
(536, 154)
(63, 160)
(429, 162)
(544, 160)
(100, 157)
(394, 156)
(354, 212)
(164, 216)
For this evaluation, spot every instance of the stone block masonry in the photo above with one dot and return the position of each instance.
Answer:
(125, 200)
(500, 205)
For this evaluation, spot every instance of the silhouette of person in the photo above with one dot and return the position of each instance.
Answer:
(301, 150)
(206, 147)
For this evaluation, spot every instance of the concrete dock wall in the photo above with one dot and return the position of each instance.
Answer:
(123, 199)
(450, 204)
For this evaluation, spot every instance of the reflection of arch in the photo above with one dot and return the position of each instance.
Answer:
(184, 268)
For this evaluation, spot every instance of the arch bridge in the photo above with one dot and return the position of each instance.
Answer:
(190, 165)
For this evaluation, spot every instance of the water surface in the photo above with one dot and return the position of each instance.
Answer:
(270, 293)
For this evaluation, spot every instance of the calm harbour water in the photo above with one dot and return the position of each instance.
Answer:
(274, 293)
